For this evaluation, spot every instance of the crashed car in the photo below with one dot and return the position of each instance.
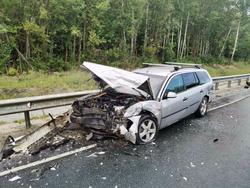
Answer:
(138, 104)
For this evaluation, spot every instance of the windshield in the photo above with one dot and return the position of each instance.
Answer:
(155, 83)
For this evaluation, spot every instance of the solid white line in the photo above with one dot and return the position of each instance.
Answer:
(224, 105)
(46, 160)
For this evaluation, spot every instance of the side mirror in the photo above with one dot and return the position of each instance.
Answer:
(169, 95)
(172, 95)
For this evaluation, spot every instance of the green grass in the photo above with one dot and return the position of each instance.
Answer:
(227, 70)
(37, 83)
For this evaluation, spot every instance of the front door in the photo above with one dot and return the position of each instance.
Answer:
(174, 109)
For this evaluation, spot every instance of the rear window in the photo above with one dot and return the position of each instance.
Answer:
(203, 77)
(190, 80)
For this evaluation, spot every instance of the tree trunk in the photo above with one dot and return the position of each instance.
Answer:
(185, 37)
(66, 54)
(163, 48)
(84, 36)
(225, 41)
(124, 45)
(27, 46)
(172, 38)
(132, 36)
(179, 41)
(236, 41)
(200, 49)
(19, 53)
(79, 51)
(74, 48)
(146, 31)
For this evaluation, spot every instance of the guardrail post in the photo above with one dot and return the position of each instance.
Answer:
(229, 84)
(27, 119)
(216, 85)
(239, 82)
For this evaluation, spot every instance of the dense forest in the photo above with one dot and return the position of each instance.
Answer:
(55, 35)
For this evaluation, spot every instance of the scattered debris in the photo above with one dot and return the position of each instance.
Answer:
(23, 144)
(96, 153)
(247, 85)
(104, 178)
(89, 136)
(192, 165)
(215, 140)
(184, 178)
(101, 153)
(6, 148)
(131, 154)
(92, 155)
(15, 178)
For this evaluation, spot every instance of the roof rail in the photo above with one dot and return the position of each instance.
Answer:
(156, 64)
(173, 65)
(184, 65)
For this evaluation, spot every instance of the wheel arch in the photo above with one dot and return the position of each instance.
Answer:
(147, 112)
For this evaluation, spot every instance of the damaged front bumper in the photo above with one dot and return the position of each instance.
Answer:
(131, 131)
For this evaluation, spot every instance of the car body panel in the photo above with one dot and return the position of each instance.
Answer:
(121, 80)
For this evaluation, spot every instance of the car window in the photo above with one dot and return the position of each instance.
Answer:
(203, 77)
(176, 84)
(190, 80)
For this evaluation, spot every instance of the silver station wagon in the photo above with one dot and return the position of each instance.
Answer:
(137, 104)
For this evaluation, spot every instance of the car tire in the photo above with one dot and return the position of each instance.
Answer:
(147, 130)
(202, 110)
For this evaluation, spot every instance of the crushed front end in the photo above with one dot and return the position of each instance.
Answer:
(103, 113)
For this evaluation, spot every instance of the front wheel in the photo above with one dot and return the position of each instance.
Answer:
(202, 110)
(147, 129)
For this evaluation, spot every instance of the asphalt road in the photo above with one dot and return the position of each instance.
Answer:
(210, 152)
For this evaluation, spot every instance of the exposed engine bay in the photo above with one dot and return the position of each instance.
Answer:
(103, 111)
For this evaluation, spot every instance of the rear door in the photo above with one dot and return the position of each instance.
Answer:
(174, 109)
(194, 92)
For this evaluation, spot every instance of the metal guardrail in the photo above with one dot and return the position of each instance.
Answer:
(25, 105)
(229, 80)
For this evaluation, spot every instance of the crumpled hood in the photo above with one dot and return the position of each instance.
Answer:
(121, 80)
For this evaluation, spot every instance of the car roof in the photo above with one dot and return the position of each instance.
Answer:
(165, 71)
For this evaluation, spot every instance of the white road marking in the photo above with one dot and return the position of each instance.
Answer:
(224, 105)
(46, 160)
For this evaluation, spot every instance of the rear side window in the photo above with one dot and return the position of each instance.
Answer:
(176, 84)
(203, 77)
(190, 80)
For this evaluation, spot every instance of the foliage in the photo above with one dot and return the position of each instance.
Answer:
(56, 35)
(12, 72)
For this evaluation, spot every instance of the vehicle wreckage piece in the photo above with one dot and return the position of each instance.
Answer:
(25, 142)
(6, 147)
(102, 112)
(120, 80)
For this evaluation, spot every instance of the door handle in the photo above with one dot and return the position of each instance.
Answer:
(201, 91)
(185, 99)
